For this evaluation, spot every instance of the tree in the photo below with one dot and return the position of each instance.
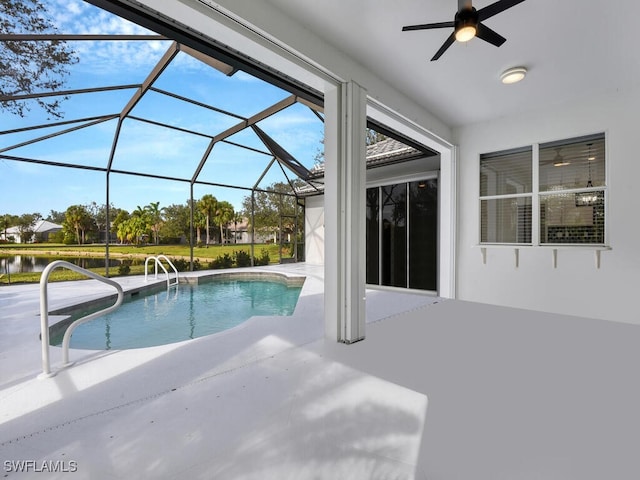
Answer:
(25, 224)
(176, 222)
(223, 215)
(55, 217)
(119, 225)
(125, 232)
(77, 219)
(207, 206)
(154, 213)
(28, 67)
(237, 218)
(98, 214)
(373, 137)
(139, 224)
(273, 207)
(7, 221)
(137, 228)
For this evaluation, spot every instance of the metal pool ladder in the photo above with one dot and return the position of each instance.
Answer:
(44, 313)
(157, 262)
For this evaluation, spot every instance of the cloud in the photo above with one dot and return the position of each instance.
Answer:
(76, 16)
(245, 77)
(284, 121)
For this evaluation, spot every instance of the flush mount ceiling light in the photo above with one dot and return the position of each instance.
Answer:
(513, 75)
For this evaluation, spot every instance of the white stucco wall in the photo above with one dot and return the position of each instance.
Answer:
(575, 285)
(314, 230)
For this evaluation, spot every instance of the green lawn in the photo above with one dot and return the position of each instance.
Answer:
(203, 255)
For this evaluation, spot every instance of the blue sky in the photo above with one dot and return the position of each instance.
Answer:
(28, 188)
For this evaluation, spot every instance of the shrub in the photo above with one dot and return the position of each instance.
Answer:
(56, 237)
(263, 259)
(124, 268)
(221, 261)
(183, 265)
(242, 258)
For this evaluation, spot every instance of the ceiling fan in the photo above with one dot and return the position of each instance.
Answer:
(467, 24)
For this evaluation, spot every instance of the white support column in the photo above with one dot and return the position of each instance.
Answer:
(344, 203)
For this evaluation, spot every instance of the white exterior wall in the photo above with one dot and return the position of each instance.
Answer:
(575, 286)
(314, 230)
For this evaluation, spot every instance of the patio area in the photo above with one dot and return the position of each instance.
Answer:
(438, 389)
(181, 409)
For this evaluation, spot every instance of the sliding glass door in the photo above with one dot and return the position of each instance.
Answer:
(402, 232)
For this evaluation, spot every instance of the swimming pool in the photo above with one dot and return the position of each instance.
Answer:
(181, 313)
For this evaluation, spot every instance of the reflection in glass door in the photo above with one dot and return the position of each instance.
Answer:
(373, 236)
(402, 234)
(423, 235)
(394, 235)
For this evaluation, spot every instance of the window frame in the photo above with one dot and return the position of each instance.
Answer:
(536, 195)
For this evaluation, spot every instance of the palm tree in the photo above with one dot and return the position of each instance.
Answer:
(140, 222)
(119, 224)
(76, 218)
(122, 231)
(154, 213)
(237, 218)
(223, 215)
(207, 205)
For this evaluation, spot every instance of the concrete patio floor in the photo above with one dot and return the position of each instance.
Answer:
(181, 410)
(438, 390)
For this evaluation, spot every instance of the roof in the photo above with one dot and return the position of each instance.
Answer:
(43, 226)
(381, 153)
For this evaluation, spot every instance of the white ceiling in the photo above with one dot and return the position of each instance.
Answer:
(573, 49)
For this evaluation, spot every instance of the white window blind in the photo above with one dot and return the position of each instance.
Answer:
(569, 188)
(572, 191)
(506, 196)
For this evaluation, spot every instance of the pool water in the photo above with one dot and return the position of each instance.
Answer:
(182, 313)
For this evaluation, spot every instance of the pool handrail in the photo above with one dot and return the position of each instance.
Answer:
(44, 313)
(158, 262)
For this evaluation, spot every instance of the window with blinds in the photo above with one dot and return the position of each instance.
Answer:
(546, 194)
(506, 196)
(572, 191)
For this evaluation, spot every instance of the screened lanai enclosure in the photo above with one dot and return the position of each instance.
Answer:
(148, 118)
(151, 114)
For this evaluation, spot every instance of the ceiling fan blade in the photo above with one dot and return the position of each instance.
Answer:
(428, 26)
(495, 8)
(448, 42)
(488, 35)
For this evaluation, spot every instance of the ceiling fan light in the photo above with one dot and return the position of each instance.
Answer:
(465, 33)
(561, 163)
(513, 75)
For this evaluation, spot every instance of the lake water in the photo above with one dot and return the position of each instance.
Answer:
(33, 263)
